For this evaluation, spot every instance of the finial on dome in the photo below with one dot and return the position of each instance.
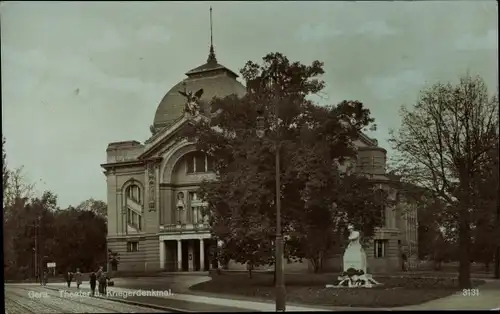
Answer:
(211, 54)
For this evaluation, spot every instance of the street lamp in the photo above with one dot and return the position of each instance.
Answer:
(280, 280)
(36, 229)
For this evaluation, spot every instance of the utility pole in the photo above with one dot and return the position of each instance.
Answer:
(497, 235)
(36, 252)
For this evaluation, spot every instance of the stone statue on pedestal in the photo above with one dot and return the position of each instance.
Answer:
(355, 265)
(354, 256)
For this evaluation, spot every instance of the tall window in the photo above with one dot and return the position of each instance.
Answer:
(134, 193)
(380, 200)
(380, 248)
(199, 162)
(133, 246)
(134, 219)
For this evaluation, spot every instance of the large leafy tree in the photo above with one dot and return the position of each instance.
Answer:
(485, 229)
(314, 143)
(98, 207)
(443, 144)
(72, 238)
(5, 170)
(35, 224)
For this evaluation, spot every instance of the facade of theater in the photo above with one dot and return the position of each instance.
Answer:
(155, 220)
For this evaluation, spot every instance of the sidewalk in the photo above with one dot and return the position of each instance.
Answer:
(488, 299)
(197, 302)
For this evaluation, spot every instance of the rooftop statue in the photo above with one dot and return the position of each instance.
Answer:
(192, 101)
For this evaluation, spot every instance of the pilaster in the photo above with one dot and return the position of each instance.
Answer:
(122, 212)
(179, 255)
(202, 255)
(162, 255)
(190, 255)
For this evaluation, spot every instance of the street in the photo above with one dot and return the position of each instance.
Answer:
(31, 298)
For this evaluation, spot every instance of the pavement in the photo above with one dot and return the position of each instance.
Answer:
(181, 299)
(484, 297)
(190, 302)
(33, 298)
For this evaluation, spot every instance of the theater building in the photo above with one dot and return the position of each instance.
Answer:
(155, 220)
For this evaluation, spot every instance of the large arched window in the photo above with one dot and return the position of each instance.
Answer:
(199, 162)
(133, 195)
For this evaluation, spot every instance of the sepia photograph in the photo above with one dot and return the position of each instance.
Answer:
(250, 156)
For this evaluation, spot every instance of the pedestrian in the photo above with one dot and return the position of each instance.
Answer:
(99, 279)
(103, 282)
(405, 262)
(45, 277)
(93, 280)
(78, 278)
(69, 278)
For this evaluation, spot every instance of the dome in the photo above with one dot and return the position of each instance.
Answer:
(215, 79)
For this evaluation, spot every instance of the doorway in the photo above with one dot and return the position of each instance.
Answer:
(185, 255)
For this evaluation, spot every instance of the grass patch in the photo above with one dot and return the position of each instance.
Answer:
(310, 289)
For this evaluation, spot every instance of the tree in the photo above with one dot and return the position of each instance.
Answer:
(17, 195)
(442, 144)
(485, 229)
(5, 170)
(314, 142)
(17, 188)
(98, 207)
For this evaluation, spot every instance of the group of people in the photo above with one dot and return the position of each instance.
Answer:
(76, 276)
(44, 278)
(100, 277)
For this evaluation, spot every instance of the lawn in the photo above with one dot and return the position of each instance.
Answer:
(310, 289)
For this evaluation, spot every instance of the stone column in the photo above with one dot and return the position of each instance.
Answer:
(202, 255)
(190, 255)
(122, 210)
(162, 255)
(157, 192)
(179, 255)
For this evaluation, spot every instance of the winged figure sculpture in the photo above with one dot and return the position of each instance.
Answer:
(192, 101)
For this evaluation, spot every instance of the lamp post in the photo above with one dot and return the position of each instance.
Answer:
(497, 255)
(36, 228)
(280, 280)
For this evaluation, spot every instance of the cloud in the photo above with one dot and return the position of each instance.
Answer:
(313, 32)
(393, 86)
(155, 34)
(469, 42)
(324, 31)
(124, 56)
(376, 28)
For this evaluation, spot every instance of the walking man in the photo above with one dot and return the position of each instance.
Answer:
(78, 278)
(45, 277)
(93, 280)
(69, 278)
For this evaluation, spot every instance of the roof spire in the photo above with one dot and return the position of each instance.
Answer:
(211, 55)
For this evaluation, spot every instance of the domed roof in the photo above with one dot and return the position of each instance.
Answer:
(215, 79)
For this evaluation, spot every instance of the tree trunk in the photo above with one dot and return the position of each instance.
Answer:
(464, 248)
(249, 268)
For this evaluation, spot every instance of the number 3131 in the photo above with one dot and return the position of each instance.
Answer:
(470, 292)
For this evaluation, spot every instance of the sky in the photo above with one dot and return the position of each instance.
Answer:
(78, 75)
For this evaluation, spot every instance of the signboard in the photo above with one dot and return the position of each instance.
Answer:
(51, 265)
